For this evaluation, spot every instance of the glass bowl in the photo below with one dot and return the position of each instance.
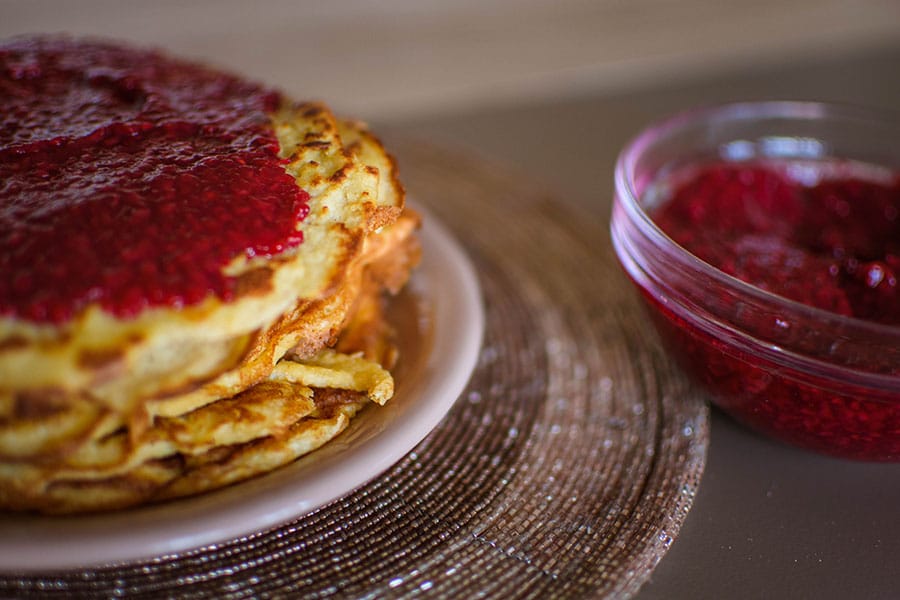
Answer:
(804, 375)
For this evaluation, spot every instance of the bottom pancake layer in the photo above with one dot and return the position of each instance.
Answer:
(81, 458)
(300, 407)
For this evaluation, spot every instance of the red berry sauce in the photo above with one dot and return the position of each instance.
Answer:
(130, 179)
(834, 245)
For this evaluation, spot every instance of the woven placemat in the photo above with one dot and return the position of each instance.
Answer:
(564, 470)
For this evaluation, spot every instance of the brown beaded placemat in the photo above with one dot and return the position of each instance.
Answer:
(565, 469)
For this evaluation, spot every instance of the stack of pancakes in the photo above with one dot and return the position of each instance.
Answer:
(102, 412)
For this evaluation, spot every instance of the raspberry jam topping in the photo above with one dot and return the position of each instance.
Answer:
(824, 235)
(833, 245)
(130, 179)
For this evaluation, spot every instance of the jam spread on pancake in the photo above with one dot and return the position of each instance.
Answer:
(130, 179)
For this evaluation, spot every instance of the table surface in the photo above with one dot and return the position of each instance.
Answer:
(769, 520)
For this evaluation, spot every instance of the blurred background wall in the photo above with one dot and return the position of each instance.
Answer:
(390, 58)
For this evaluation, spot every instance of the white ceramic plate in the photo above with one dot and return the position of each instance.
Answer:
(434, 369)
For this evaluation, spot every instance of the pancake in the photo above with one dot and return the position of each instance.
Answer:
(162, 350)
(103, 411)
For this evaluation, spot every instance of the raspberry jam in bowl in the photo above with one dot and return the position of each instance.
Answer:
(765, 240)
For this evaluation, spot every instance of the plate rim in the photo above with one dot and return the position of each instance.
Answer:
(451, 289)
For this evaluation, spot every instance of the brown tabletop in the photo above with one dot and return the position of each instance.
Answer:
(769, 520)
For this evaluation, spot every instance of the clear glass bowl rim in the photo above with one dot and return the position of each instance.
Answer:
(627, 197)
